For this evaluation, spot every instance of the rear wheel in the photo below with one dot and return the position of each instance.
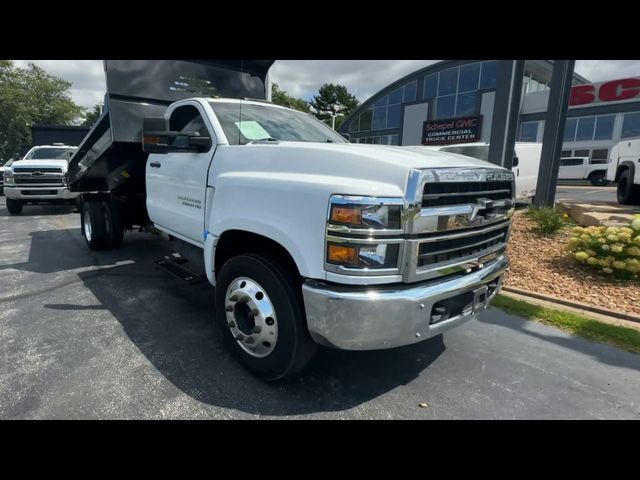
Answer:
(628, 193)
(598, 179)
(14, 206)
(94, 228)
(260, 310)
(113, 223)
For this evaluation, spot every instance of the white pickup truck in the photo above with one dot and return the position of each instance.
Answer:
(624, 168)
(39, 178)
(308, 239)
(580, 168)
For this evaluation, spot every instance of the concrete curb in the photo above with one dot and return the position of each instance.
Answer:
(569, 303)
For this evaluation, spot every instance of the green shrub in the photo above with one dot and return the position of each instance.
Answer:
(548, 220)
(610, 250)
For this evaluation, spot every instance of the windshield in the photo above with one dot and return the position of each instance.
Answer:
(243, 123)
(9, 162)
(50, 154)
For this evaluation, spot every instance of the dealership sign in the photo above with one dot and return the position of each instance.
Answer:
(453, 130)
(622, 90)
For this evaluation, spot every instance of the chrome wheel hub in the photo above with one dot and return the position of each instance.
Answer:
(87, 225)
(251, 317)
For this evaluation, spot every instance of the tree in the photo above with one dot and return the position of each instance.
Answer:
(29, 96)
(91, 116)
(281, 97)
(328, 96)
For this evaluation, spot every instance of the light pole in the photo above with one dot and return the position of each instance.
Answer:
(337, 107)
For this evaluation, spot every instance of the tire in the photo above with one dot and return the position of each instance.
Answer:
(599, 179)
(94, 227)
(252, 276)
(14, 206)
(113, 222)
(627, 192)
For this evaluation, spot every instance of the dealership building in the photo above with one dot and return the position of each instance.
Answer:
(452, 102)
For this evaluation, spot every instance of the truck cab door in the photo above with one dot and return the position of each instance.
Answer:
(572, 168)
(177, 181)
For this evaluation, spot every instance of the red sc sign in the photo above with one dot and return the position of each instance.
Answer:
(616, 90)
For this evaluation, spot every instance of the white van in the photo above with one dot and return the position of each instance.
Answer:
(526, 162)
(580, 168)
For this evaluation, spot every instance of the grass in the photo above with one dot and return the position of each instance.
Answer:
(590, 328)
(548, 220)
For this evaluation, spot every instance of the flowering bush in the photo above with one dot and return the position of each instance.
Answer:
(611, 250)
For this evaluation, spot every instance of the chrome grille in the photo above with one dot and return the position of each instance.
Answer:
(447, 248)
(456, 193)
(36, 169)
(38, 181)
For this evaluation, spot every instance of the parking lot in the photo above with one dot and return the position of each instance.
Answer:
(111, 335)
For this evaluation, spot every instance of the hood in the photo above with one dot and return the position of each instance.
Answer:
(356, 168)
(59, 163)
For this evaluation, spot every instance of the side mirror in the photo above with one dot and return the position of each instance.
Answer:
(516, 161)
(155, 135)
(347, 136)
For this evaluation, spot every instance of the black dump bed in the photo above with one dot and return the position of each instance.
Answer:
(110, 156)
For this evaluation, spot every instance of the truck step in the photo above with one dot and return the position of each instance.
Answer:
(175, 266)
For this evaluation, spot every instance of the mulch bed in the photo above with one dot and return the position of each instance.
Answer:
(540, 263)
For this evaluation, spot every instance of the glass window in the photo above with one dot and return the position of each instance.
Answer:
(469, 75)
(369, 140)
(431, 86)
(256, 122)
(466, 104)
(365, 120)
(395, 96)
(585, 128)
(376, 140)
(393, 116)
(582, 153)
(604, 127)
(571, 162)
(565, 153)
(631, 125)
(410, 91)
(529, 132)
(600, 155)
(355, 125)
(379, 118)
(489, 74)
(445, 107)
(448, 82)
(50, 154)
(393, 139)
(570, 129)
(382, 102)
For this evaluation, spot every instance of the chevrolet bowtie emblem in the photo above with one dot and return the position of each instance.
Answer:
(37, 174)
(481, 204)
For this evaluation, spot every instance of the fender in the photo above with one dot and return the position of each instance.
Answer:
(265, 230)
(630, 165)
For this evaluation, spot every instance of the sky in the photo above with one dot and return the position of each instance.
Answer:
(303, 78)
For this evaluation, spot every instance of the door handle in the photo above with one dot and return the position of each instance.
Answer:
(155, 164)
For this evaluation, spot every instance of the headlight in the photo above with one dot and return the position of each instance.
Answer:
(9, 178)
(365, 212)
(364, 233)
(363, 256)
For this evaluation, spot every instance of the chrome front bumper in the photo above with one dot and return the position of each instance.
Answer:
(372, 318)
(37, 194)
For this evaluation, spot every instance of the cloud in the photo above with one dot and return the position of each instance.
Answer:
(303, 78)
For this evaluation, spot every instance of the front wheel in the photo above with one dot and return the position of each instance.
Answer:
(14, 206)
(628, 193)
(260, 310)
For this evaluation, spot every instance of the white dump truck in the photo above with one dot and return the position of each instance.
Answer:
(624, 168)
(307, 238)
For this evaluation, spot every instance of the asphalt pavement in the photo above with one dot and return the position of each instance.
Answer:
(110, 335)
